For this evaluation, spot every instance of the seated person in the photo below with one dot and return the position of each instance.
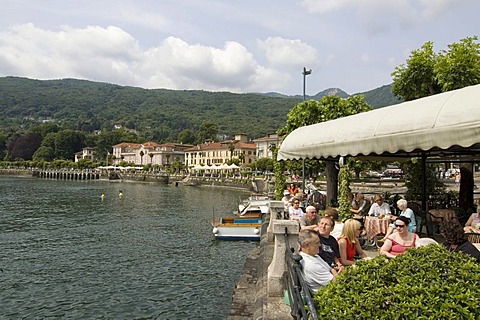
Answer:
(353, 201)
(379, 207)
(293, 189)
(329, 251)
(348, 243)
(316, 271)
(398, 242)
(455, 239)
(295, 212)
(472, 221)
(287, 200)
(363, 205)
(405, 212)
(338, 228)
(310, 219)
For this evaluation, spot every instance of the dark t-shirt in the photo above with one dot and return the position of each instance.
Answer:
(465, 247)
(329, 249)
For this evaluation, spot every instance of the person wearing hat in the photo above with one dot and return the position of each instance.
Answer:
(287, 200)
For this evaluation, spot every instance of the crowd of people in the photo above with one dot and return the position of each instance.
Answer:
(328, 245)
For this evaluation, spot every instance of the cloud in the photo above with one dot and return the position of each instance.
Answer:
(112, 55)
(90, 53)
(379, 16)
(286, 52)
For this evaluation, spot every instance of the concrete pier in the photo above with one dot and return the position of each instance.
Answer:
(258, 294)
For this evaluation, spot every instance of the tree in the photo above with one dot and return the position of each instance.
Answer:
(460, 66)
(44, 153)
(141, 156)
(428, 73)
(24, 146)
(187, 136)
(451, 69)
(417, 79)
(3, 145)
(231, 148)
(263, 164)
(151, 157)
(67, 142)
(208, 130)
(329, 108)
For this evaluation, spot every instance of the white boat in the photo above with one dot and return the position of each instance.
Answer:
(245, 227)
(254, 203)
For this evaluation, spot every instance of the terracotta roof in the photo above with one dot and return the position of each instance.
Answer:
(150, 144)
(222, 146)
(127, 145)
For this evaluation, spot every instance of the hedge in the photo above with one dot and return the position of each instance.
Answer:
(424, 283)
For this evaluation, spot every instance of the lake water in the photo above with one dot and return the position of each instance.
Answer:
(66, 254)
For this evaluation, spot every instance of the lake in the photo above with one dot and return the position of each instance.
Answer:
(66, 253)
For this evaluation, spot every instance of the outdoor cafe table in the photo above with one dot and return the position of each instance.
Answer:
(439, 215)
(376, 226)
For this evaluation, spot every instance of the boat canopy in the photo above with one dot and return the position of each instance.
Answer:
(439, 125)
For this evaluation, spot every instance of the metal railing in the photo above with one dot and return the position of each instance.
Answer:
(299, 294)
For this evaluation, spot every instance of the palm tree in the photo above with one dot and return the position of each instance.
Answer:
(231, 148)
(141, 157)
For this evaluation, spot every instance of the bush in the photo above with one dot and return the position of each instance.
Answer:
(424, 283)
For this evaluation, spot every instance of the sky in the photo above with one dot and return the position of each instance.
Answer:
(224, 45)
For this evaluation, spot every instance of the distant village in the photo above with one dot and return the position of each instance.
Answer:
(209, 153)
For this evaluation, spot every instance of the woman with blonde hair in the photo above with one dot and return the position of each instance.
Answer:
(348, 243)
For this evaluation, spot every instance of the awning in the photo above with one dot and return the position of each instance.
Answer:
(442, 124)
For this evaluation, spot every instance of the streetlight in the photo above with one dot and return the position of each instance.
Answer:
(305, 74)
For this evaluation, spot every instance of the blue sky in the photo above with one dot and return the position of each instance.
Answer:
(237, 46)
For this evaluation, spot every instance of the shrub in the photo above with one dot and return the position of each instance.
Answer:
(424, 283)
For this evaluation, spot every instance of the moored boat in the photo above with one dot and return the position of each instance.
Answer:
(254, 203)
(245, 227)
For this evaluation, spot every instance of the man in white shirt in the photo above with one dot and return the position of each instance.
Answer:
(379, 207)
(316, 271)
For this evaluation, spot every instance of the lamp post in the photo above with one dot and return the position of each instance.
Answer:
(305, 74)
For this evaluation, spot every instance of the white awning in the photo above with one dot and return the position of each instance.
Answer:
(440, 124)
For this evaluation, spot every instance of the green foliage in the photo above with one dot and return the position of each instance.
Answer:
(460, 66)
(263, 164)
(329, 108)
(343, 192)
(428, 73)
(417, 79)
(159, 115)
(187, 136)
(413, 180)
(424, 283)
(279, 168)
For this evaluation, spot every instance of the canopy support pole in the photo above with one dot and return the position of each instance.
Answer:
(424, 182)
(303, 177)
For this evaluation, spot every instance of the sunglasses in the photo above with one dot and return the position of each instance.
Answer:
(400, 225)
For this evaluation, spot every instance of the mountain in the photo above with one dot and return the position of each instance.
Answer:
(381, 97)
(377, 98)
(158, 114)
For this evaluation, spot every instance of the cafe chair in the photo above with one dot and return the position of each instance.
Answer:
(473, 237)
(429, 221)
(421, 242)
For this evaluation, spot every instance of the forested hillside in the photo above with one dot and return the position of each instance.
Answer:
(158, 114)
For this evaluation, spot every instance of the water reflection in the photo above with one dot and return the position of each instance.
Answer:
(68, 254)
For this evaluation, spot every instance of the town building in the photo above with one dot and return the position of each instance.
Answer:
(264, 145)
(86, 154)
(217, 153)
(149, 153)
